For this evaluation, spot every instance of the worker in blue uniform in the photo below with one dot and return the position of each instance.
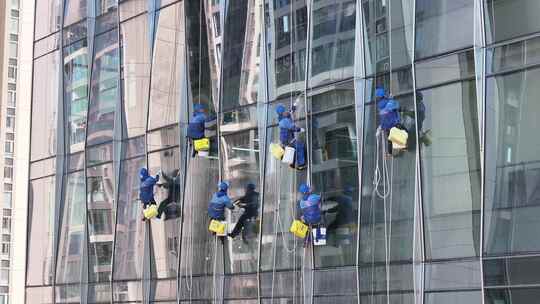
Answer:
(220, 200)
(146, 188)
(287, 130)
(389, 117)
(196, 126)
(309, 206)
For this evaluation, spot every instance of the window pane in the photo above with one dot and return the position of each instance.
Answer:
(240, 54)
(130, 230)
(44, 106)
(437, 29)
(104, 89)
(100, 197)
(136, 73)
(454, 297)
(166, 231)
(333, 42)
(70, 248)
(41, 224)
(507, 19)
(334, 154)
(48, 19)
(167, 66)
(512, 209)
(76, 93)
(243, 148)
(448, 121)
(511, 296)
(74, 10)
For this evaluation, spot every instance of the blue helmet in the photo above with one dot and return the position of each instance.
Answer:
(250, 186)
(379, 92)
(391, 105)
(314, 198)
(304, 188)
(198, 107)
(143, 173)
(223, 186)
(348, 189)
(280, 109)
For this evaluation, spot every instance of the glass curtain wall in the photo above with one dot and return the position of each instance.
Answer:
(451, 218)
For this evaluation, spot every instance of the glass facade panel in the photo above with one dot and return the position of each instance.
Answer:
(437, 30)
(41, 225)
(74, 10)
(454, 297)
(100, 198)
(332, 45)
(507, 19)
(135, 74)
(76, 73)
(49, 18)
(72, 233)
(45, 106)
(130, 230)
(103, 89)
(166, 69)
(165, 233)
(511, 210)
(512, 295)
(448, 126)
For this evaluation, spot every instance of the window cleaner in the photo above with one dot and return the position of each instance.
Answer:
(389, 121)
(216, 209)
(250, 203)
(146, 193)
(170, 205)
(195, 131)
(310, 215)
(294, 148)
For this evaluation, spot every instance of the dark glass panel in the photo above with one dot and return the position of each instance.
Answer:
(135, 74)
(332, 48)
(436, 28)
(100, 197)
(108, 20)
(241, 54)
(240, 118)
(74, 10)
(240, 287)
(240, 161)
(453, 275)
(450, 156)
(512, 271)
(76, 75)
(41, 223)
(335, 282)
(49, 17)
(444, 69)
(104, 89)
(165, 232)
(129, 238)
(167, 66)
(134, 147)
(202, 68)
(42, 168)
(76, 161)
(72, 232)
(45, 98)
(512, 200)
(281, 284)
(506, 19)
(335, 176)
(454, 297)
(163, 138)
(401, 33)
(377, 51)
(512, 296)
(46, 45)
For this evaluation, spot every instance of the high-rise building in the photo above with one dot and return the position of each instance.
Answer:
(451, 218)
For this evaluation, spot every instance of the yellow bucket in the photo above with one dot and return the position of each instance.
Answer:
(217, 227)
(202, 144)
(299, 229)
(150, 211)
